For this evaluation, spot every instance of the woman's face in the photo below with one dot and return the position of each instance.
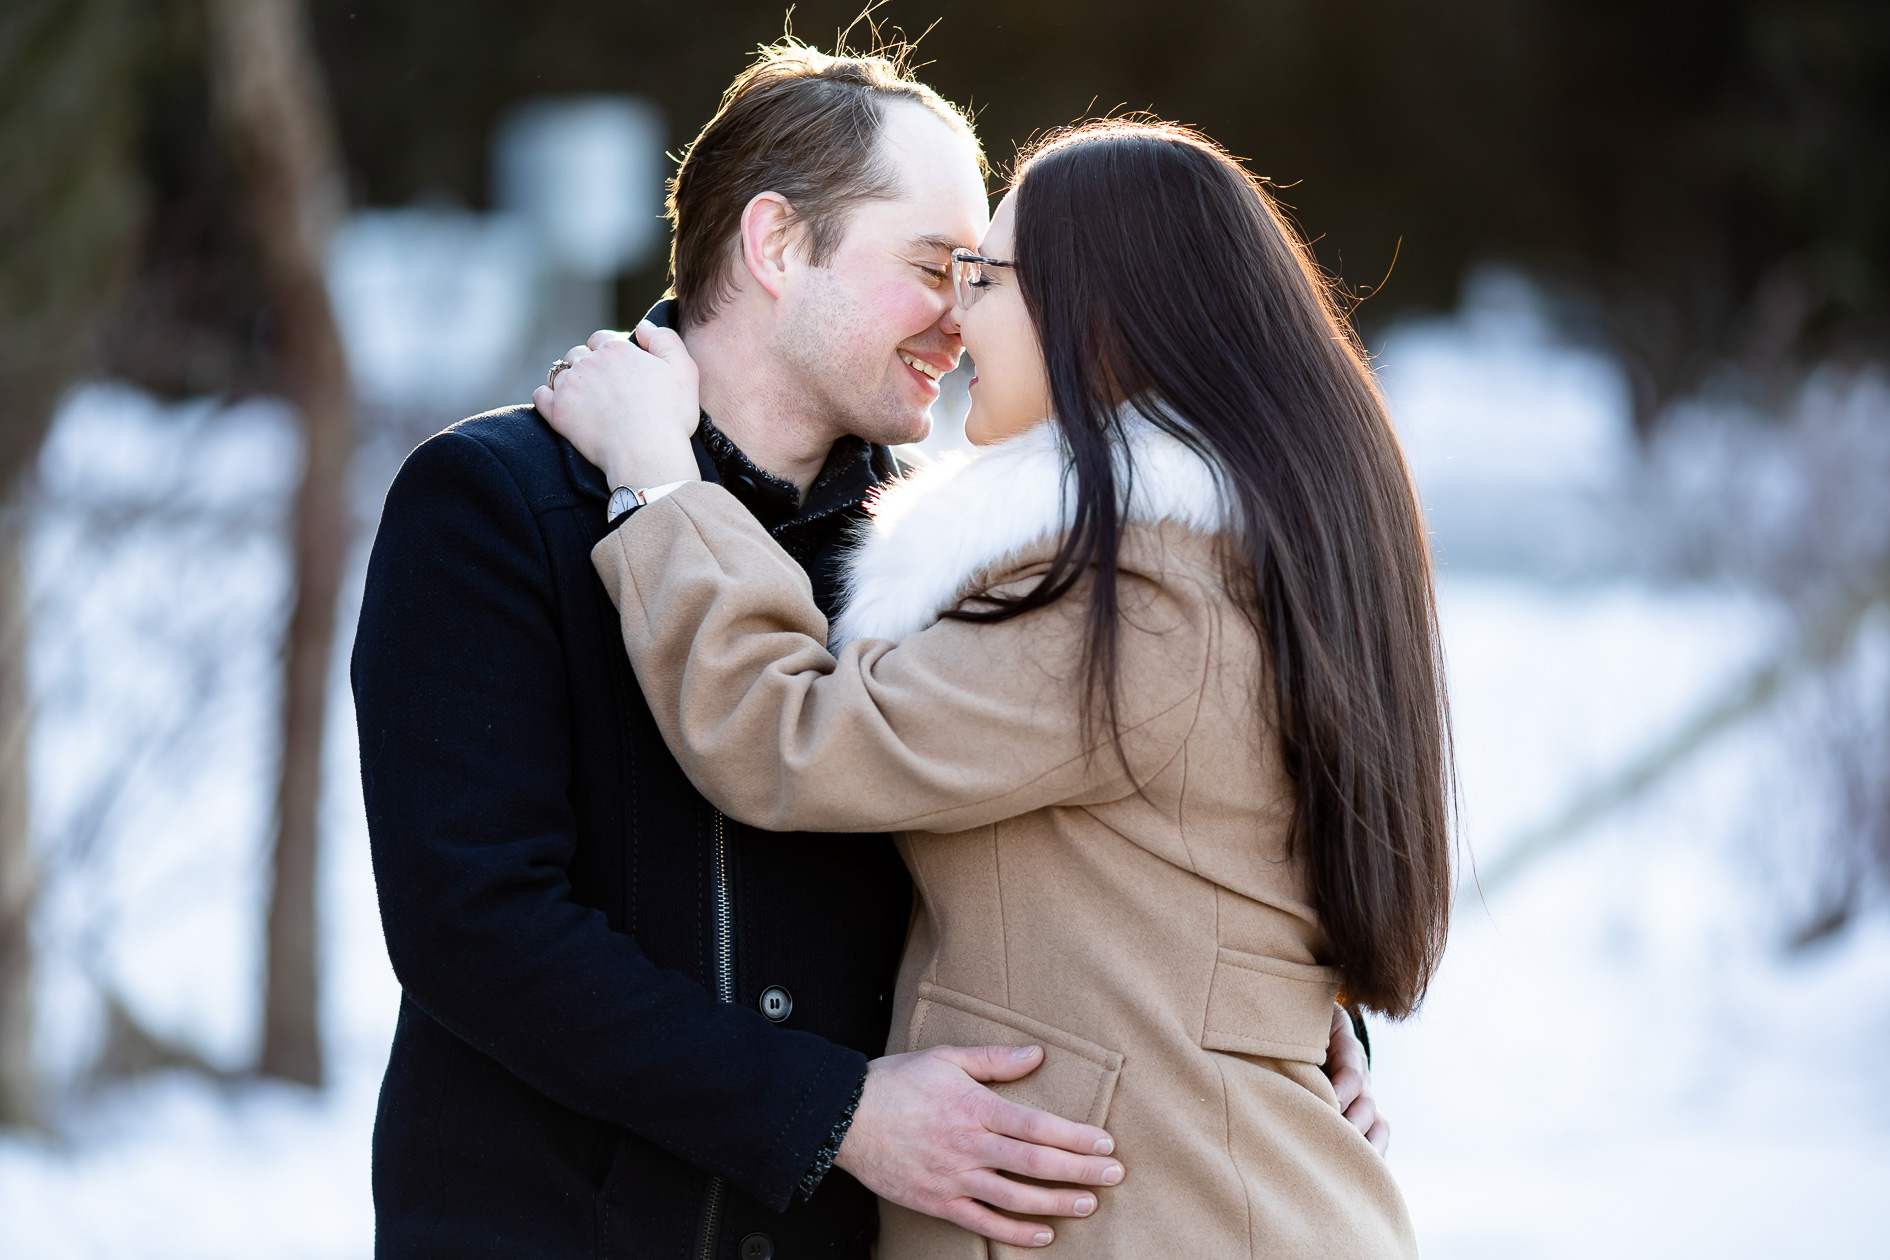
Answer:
(1011, 391)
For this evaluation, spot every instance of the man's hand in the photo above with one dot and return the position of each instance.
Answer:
(929, 1137)
(1352, 1080)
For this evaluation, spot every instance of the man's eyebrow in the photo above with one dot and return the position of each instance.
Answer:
(942, 243)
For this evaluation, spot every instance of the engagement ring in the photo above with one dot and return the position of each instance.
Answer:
(551, 377)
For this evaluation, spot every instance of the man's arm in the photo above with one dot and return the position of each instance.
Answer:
(465, 752)
(1349, 1067)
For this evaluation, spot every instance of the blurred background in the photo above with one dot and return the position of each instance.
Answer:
(1625, 272)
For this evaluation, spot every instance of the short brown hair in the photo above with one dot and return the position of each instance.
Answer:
(798, 122)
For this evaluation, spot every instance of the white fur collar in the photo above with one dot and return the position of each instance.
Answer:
(932, 532)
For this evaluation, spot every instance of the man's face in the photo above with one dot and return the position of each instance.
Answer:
(852, 331)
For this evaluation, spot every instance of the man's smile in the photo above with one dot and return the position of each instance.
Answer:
(931, 371)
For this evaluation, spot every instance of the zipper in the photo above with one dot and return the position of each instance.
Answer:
(711, 1213)
(723, 911)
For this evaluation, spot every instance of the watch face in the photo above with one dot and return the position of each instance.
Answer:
(622, 499)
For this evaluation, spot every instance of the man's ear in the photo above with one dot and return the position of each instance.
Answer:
(767, 235)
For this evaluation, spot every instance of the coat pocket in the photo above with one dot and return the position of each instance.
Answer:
(1076, 1079)
(1269, 1007)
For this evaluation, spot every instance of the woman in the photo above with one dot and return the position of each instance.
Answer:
(1151, 689)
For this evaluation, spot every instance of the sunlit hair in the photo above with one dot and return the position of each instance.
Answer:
(1156, 269)
(801, 123)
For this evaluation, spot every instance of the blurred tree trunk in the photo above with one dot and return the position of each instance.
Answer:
(68, 209)
(16, 854)
(281, 128)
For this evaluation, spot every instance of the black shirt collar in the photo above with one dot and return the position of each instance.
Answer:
(773, 501)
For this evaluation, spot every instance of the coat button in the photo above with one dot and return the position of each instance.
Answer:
(757, 1247)
(777, 1004)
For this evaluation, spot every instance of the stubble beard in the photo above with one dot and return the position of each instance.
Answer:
(829, 347)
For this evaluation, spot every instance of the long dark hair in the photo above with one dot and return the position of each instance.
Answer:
(1156, 268)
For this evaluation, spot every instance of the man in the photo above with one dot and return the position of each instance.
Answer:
(630, 1026)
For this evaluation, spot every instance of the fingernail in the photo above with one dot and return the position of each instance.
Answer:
(1106, 1147)
(1112, 1174)
(1024, 1052)
(1085, 1205)
(1043, 1239)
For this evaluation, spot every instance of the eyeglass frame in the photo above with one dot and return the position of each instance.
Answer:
(963, 260)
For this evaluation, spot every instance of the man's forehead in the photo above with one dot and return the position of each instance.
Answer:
(916, 133)
(940, 181)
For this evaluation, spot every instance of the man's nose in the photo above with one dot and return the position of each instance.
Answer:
(948, 322)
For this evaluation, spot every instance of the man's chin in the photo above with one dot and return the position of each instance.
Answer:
(895, 430)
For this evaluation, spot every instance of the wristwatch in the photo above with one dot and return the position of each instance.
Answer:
(625, 499)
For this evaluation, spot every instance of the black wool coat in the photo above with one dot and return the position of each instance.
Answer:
(581, 1066)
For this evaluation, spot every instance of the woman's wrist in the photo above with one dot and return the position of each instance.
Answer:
(642, 469)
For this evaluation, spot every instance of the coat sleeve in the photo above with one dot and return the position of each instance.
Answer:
(460, 694)
(958, 726)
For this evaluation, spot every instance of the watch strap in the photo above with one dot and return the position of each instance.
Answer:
(627, 499)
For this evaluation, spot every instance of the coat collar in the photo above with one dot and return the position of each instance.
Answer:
(933, 535)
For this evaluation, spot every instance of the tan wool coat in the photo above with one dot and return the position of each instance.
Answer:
(1158, 945)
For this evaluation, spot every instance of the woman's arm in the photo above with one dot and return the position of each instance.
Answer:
(958, 726)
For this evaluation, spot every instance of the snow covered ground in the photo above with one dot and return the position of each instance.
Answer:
(1618, 1057)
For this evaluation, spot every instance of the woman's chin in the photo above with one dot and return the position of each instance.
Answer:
(983, 430)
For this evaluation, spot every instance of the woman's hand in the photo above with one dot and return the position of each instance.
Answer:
(628, 408)
(1349, 1068)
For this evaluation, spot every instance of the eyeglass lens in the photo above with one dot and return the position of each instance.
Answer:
(965, 277)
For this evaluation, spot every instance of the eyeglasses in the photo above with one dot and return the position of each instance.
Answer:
(968, 275)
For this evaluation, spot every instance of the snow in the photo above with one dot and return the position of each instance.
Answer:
(1618, 1058)
(1517, 438)
(1543, 415)
(434, 302)
(177, 1168)
(589, 172)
